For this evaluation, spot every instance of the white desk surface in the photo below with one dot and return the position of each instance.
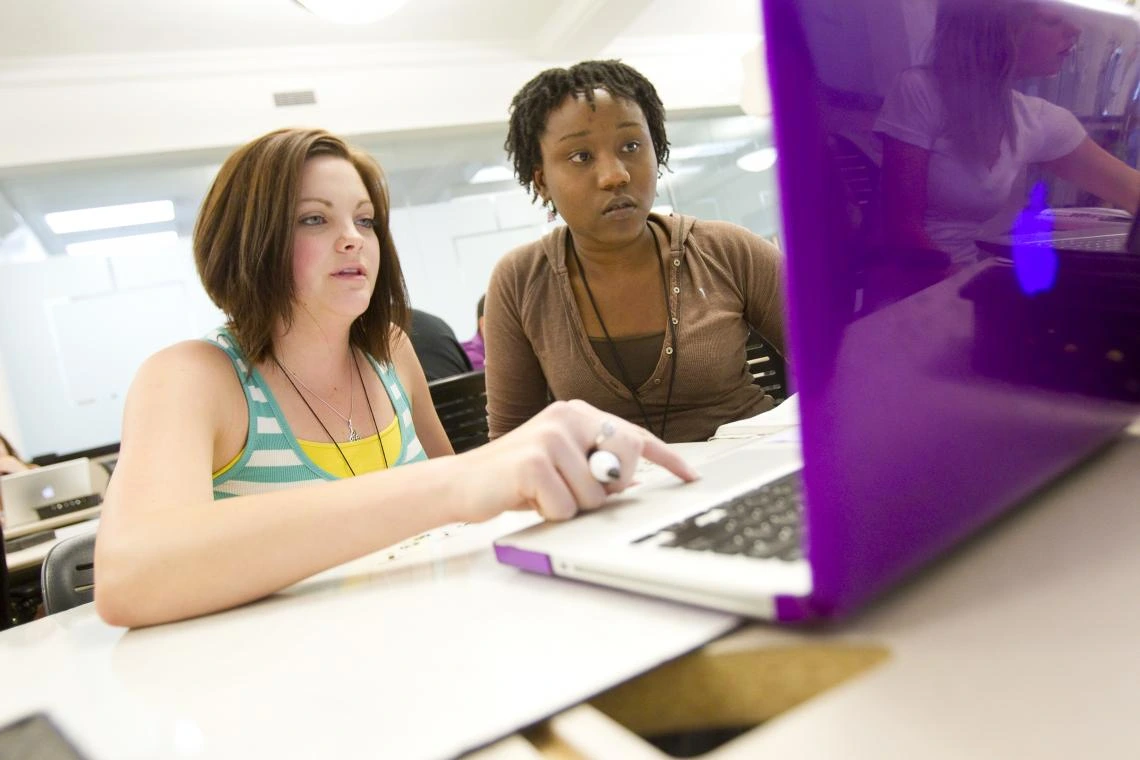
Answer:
(1020, 644)
(431, 654)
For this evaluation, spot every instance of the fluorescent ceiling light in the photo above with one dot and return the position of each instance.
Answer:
(352, 11)
(1117, 8)
(492, 174)
(706, 150)
(109, 217)
(152, 242)
(758, 160)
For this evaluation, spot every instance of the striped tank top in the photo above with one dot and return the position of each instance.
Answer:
(272, 459)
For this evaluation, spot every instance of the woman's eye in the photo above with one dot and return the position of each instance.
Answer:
(312, 220)
(580, 157)
(367, 222)
(632, 147)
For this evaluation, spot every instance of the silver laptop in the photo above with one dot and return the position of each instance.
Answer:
(46, 492)
(735, 536)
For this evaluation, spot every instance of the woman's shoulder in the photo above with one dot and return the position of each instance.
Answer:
(1034, 109)
(727, 237)
(402, 350)
(193, 372)
(913, 88)
(528, 266)
(916, 77)
(532, 255)
(196, 360)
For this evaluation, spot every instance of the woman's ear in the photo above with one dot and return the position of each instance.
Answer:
(539, 182)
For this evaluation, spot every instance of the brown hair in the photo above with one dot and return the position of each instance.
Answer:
(974, 50)
(243, 241)
(7, 448)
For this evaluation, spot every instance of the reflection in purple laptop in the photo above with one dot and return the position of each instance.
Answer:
(936, 390)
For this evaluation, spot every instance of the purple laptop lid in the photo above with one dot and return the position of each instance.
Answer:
(940, 385)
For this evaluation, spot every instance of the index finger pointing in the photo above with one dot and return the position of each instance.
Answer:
(658, 452)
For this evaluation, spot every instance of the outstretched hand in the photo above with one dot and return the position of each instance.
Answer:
(543, 464)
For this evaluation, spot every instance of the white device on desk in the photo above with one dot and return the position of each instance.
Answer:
(46, 492)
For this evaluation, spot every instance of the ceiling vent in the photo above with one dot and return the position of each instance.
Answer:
(296, 98)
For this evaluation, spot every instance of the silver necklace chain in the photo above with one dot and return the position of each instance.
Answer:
(352, 434)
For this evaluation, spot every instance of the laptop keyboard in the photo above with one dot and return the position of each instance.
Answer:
(765, 523)
(1109, 243)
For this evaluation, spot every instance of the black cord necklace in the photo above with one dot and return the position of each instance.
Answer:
(363, 387)
(625, 377)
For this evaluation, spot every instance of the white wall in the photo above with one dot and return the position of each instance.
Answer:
(9, 425)
(447, 250)
(87, 323)
(85, 326)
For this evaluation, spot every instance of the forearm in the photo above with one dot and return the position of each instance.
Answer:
(156, 566)
(1092, 168)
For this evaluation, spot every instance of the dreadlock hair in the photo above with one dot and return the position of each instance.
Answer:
(531, 107)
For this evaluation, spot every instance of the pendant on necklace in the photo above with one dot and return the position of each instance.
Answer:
(352, 434)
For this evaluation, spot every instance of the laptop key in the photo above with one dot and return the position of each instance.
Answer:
(766, 523)
(698, 543)
(792, 553)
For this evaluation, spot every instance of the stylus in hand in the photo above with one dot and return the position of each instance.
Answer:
(604, 466)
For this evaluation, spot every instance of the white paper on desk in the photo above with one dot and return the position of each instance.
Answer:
(782, 421)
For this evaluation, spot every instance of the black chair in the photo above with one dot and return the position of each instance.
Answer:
(860, 179)
(767, 368)
(68, 573)
(461, 403)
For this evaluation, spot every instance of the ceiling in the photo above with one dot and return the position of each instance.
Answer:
(51, 28)
(422, 166)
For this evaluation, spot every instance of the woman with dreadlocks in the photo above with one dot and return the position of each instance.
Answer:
(642, 315)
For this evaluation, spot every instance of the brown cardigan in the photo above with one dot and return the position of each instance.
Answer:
(722, 280)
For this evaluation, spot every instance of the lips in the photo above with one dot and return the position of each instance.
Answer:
(349, 272)
(619, 204)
